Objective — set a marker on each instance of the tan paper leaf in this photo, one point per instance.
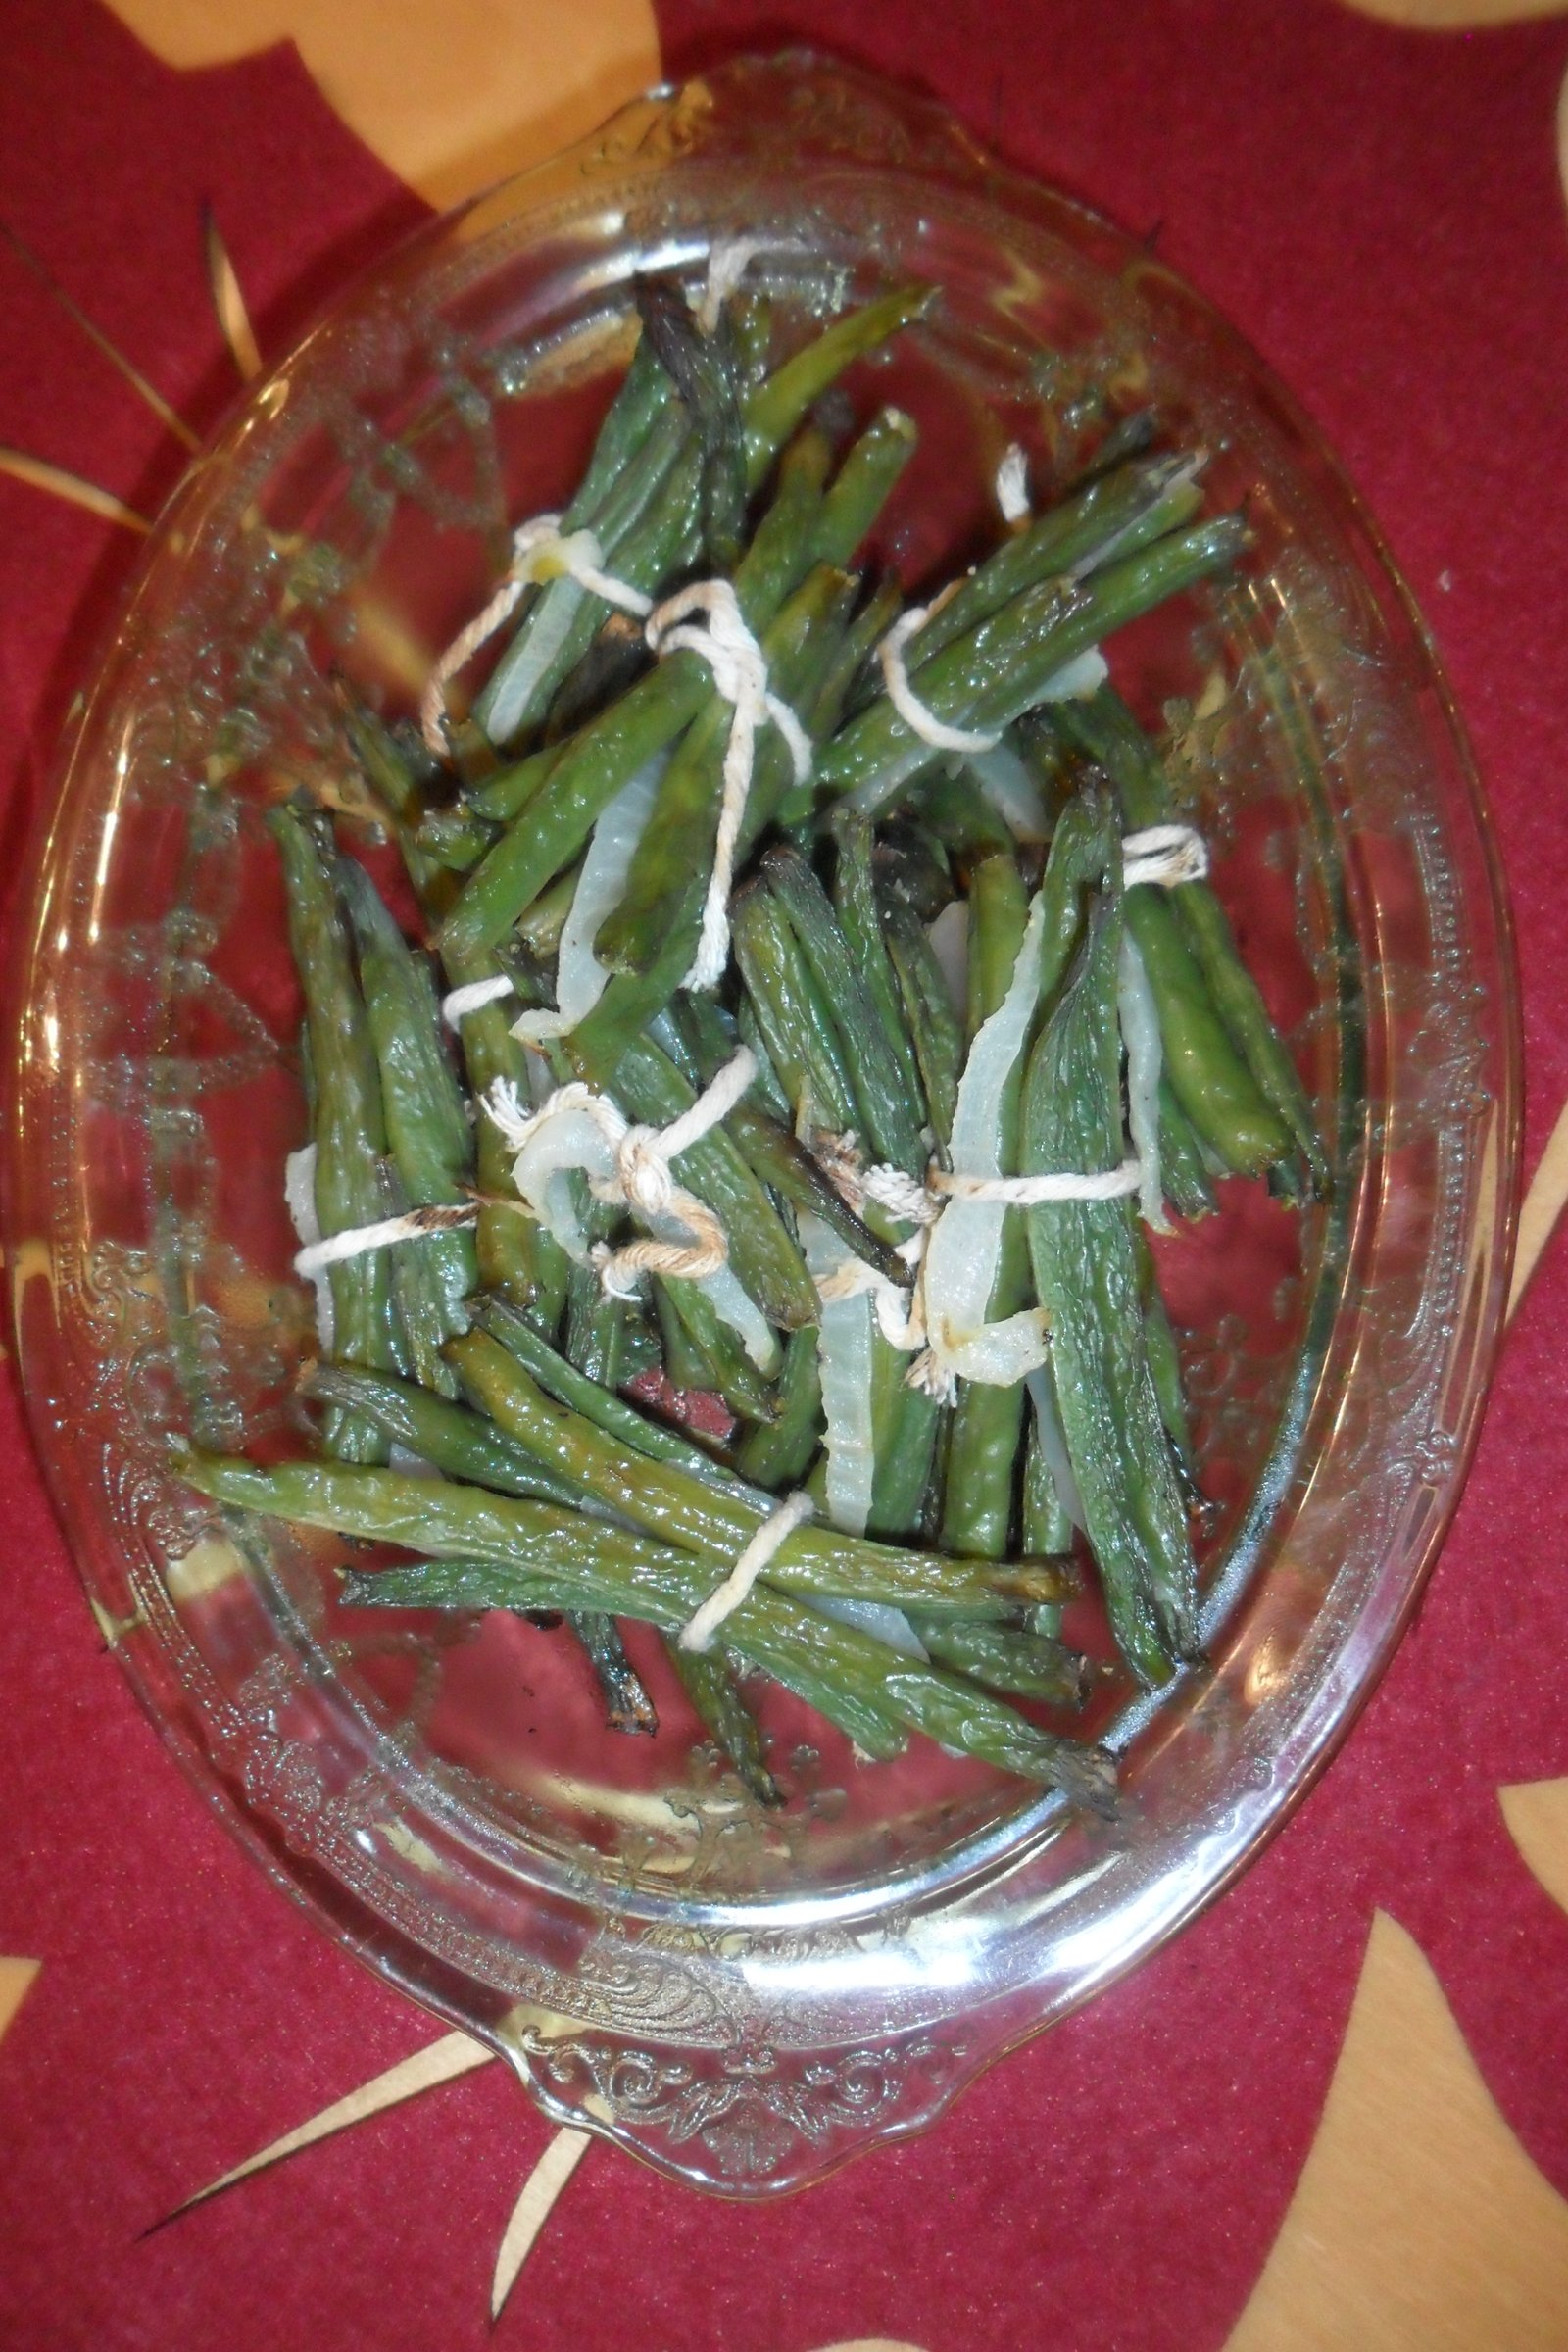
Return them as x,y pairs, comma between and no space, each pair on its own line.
16,1976
95,335
40,474
1419,2223
1456,15
533,2208
1542,1206
440,2061
451,94
222,283
1537,1815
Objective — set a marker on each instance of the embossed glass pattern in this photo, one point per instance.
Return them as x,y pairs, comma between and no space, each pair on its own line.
744,1998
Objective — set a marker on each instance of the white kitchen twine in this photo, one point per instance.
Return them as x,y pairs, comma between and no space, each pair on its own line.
728,260
1012,484
1024,1192
642,1179
356,1240
471,997
899,1311
697,1633
1165,856
540,551
740,675
907,704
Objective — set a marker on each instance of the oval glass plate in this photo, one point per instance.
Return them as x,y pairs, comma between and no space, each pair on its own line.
745,1998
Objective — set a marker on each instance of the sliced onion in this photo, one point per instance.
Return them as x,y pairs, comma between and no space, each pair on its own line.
734,1306
844,1354
1139,1016
299,1196
949,945
1052,1445
1013,790
965,1246
580,977
1082,676
1000,1354
524,665
879,1619
568,1140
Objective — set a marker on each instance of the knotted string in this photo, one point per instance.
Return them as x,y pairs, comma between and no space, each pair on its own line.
740,675
540,551
642,1179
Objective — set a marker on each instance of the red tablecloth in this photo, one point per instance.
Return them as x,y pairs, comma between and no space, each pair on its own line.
1380,211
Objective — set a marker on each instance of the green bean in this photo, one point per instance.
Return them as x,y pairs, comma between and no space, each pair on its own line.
883,1112
802,1042
791,392
431,1144
1113,518
350,1127
999,909
1164,1360
594,1332
627,1706
778,1453
842,1672
1045,1526
516,1256
703,364
685,1366
1004,1658
762,1253
1208,1075
1184,1171
1106,728
998,670
988,1419
593,766
677,844
855,897
727,1367
571,1388
663,1500
1085,1279
452,1439
955,811
869,626
905,1434
493,1551
862,486
928,1012
629,474
708,1682
641,397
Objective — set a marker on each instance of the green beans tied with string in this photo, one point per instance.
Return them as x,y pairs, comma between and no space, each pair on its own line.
813,999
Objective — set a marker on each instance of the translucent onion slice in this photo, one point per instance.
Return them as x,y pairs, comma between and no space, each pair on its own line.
881,1620
1011,790
965,1246
844,1354
734,1306
1052,1445
299,1196
1082,676
1138,1017
571,1139
949,945
580,977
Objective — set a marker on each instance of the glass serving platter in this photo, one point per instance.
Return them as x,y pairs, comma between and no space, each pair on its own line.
746,1998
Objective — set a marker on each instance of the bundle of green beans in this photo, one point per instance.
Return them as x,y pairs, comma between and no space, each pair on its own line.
564,854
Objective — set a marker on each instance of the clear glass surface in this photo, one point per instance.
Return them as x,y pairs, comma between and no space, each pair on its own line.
745,1998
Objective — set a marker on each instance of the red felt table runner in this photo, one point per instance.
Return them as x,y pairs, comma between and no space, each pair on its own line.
1380,213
